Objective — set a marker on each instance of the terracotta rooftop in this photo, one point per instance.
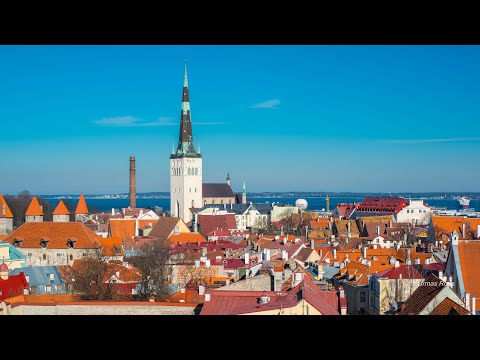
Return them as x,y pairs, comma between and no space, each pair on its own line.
422,295
81,206
61,209
449,307
320,223
4,209
209,223
124,229
111,246
401,272
164,227
56,234
449,223
469,253
34,208
183,238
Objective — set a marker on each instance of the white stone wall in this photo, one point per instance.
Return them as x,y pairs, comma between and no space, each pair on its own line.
415,213
6,226
101,309
185,189
46,256
279,211
61,218
34,218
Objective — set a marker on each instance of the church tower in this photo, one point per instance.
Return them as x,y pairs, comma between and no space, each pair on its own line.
185,166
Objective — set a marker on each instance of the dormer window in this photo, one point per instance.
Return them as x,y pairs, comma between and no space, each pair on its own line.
70,243
17,242
43,243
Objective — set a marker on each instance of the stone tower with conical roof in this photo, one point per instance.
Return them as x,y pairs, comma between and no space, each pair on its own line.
6,217
185,165
61,213
34,212
81,211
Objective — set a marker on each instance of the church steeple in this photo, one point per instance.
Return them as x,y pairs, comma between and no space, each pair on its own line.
244,193
185,146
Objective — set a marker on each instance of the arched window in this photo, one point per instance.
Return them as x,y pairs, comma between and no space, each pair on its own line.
193,203
189,171
213,201
196,171
230,201
221,201
204,202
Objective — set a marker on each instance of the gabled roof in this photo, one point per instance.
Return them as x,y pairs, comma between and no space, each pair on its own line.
449,307
401,272
183,238
57,233
111,246
320,223
450,223
34,208
388,205
4,209
231,302
13,286
342,225
221,190
124,229
469,254
208,223
422,296
164,227
304,254
81,205
61,209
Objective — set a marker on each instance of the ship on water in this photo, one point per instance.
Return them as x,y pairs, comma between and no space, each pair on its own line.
464,202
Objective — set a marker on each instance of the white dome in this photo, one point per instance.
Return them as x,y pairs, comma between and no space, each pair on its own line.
302,204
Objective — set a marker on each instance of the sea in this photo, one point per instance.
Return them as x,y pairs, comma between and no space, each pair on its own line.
314,203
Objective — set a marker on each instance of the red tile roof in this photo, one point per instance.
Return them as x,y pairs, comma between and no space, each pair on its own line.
384,205
122,228
111,246
229,264
184,238
469,254
81,206
164,227
13,286
449,223
227,302
423,295
208,223
61,209
4,209
449,307
320,223
34,208
56,233
403,271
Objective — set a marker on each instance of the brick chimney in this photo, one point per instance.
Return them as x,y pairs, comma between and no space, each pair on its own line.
133,183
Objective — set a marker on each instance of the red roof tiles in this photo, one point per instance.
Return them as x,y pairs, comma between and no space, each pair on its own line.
13,286
4,209
61,209
81,206
57,233
34,209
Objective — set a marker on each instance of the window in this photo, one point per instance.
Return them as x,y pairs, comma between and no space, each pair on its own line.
189,171
84,254
70,244
43,243
196,171
190,189
29,254
58,254
362,296
44,256
195,189
71,256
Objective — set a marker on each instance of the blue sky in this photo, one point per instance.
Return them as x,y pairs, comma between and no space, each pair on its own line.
285,118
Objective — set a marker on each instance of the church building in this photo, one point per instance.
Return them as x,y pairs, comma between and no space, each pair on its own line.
187,190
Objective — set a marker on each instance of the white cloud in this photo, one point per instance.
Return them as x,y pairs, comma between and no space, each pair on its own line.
424,141
130,121
269,104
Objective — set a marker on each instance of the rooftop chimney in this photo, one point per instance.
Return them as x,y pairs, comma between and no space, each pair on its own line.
113,211
284,254
247,258
298,278
176,230
377,230
397,263
364,252
133,183
334,252
267,255
474,304
463,231
201,289
467,301
312,244
478,231
207,297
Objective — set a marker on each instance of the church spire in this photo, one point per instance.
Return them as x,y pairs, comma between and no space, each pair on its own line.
185,146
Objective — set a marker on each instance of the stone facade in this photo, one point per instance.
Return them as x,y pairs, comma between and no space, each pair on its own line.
61,218
46,256
218,200
185,186
6,226
37,218
86,308
416,213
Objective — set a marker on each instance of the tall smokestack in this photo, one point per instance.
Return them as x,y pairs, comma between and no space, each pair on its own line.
133,183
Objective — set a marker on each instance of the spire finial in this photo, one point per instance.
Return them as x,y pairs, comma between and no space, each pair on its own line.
173,149
185,77
244,188
198,151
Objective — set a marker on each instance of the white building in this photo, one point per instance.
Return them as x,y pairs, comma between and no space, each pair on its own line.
416,212
185,166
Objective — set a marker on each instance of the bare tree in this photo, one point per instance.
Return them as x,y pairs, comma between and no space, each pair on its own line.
92,278
156,268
